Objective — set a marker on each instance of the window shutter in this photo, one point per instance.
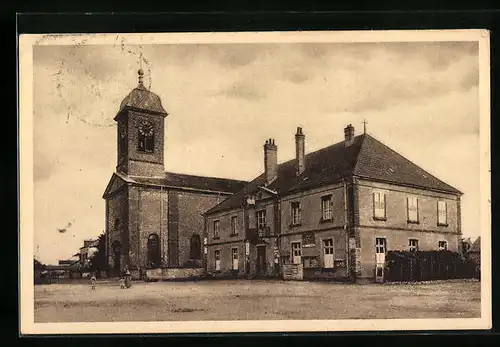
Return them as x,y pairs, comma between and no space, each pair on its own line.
374,208
408,207
385,207
418,212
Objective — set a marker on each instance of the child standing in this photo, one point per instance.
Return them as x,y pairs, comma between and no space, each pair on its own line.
93,280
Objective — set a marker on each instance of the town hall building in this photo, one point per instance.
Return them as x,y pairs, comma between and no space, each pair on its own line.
154,219
334,213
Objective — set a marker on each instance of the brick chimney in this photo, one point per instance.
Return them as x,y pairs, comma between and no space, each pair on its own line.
270,160
300,151
349,135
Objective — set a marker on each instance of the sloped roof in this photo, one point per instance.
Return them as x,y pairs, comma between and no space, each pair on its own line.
366,158
379,162
171,179
476,246
142,98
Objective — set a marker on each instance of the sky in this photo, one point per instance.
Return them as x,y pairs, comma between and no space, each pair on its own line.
224,101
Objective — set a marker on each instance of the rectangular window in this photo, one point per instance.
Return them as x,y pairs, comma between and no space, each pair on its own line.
413,245
412,206
442,245
216,229
295,213
234,257
310,262
328,253
234,229
442,213
217,259
261,219
296,253
379,206
326,207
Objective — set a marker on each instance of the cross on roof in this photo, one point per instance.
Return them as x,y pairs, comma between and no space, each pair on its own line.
364,125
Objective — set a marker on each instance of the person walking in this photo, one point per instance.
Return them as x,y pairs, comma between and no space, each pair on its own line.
128,277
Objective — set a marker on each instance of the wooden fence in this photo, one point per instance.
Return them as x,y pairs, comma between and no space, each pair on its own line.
406,266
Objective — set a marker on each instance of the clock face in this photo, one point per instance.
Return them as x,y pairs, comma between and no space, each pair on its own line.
146,128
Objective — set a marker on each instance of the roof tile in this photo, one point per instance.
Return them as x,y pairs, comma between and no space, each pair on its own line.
366,157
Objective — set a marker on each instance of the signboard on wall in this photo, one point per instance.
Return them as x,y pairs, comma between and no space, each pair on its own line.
247,248
308,240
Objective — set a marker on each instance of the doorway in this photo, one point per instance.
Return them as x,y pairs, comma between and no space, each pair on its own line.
116,258
261,266
296,253
154,258
380,252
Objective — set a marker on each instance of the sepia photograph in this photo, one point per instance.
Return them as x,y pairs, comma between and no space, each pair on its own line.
246,182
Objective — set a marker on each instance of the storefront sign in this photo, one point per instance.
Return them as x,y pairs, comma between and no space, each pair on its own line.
308,240
247,248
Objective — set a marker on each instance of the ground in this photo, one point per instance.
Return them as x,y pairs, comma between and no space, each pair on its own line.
253,300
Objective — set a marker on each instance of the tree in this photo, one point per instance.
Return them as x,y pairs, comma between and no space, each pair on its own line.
38,265
98,261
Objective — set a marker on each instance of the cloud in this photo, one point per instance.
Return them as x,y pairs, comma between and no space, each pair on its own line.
244,90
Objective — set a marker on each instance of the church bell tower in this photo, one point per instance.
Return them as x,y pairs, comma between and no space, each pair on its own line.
140,133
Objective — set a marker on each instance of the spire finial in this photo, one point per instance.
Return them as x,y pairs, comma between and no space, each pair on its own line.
141,76
364,125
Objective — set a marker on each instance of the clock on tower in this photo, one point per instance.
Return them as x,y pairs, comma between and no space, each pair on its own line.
140,129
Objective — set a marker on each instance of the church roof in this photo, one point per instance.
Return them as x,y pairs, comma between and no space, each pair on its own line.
366,158
177,180
142,98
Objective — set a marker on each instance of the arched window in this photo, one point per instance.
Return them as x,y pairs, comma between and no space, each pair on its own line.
154,259
195,249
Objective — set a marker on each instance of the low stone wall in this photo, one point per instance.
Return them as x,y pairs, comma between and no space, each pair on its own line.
174,274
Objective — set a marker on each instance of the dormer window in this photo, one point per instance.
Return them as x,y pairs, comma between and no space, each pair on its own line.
145,137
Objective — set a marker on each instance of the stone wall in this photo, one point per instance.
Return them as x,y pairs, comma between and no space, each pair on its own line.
174,274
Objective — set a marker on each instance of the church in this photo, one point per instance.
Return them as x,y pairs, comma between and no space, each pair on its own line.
154,219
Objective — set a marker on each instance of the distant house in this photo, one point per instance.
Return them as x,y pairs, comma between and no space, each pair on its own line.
474,252
465,245
334,213
65,268
88,249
